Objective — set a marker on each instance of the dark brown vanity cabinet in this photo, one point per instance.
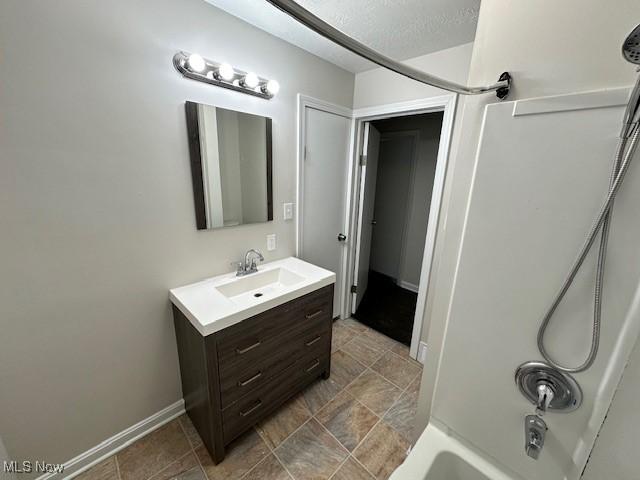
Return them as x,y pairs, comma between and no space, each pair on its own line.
234,378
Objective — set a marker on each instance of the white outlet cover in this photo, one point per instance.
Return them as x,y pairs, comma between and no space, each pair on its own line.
288,211
271,242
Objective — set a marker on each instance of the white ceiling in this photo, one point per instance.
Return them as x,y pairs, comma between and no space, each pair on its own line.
401,29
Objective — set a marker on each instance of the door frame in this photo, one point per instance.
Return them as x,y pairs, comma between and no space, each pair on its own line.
446,104
304,102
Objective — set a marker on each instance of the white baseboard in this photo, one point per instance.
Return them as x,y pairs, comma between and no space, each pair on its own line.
88,459
408,286
422,353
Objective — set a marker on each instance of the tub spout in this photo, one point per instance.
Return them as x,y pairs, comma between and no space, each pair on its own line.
534,431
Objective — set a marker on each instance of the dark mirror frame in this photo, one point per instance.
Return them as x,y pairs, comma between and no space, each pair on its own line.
195,154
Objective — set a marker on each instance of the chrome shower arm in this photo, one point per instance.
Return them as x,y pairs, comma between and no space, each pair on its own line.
308,19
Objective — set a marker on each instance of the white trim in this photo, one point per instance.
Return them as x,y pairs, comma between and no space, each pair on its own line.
412,287
443,103
399,109
422,353
360,196
610,97
110,446
304,102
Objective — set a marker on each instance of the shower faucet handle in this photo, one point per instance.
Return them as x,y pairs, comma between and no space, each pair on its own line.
545,397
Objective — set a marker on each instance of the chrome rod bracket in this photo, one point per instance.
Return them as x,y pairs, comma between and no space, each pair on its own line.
309,20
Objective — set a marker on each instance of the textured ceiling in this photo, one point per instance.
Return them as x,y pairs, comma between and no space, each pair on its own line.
401,29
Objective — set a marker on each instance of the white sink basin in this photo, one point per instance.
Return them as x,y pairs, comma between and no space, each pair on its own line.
256,285
218,302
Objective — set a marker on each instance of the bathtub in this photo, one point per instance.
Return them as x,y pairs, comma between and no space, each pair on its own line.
438,456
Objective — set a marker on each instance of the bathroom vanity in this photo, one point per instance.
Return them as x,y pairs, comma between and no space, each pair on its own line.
248,344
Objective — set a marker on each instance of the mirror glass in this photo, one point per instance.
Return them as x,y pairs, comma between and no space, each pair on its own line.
231,166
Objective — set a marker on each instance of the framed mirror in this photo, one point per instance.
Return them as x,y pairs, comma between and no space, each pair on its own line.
231,166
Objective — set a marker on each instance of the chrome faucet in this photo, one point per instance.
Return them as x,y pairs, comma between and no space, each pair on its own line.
250,263
535,429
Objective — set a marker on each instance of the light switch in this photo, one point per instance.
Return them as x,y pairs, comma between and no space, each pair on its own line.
271,242
288,211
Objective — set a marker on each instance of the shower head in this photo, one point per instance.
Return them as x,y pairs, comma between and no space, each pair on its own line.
631,52
631,46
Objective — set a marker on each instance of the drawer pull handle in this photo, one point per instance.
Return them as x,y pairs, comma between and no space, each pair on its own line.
241,351
252,409
313,315
315,340
315,364
246,382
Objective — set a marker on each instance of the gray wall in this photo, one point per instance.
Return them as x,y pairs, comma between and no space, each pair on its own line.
96,207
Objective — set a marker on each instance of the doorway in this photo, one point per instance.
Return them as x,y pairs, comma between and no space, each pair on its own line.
399,165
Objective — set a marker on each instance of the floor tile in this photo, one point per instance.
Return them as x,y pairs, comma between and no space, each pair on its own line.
400,349
345,368
105,470
187,468
395,369
382,451
362,351
268,469
153,453
311,453
353,324
340,335
192,434
374,391
402,414
352,470
320,393
415,385
242,455
284,422
347,419
382,341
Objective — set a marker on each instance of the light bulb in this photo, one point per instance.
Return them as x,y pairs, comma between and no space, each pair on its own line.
210,75
196,62
273,87
226,72
251,80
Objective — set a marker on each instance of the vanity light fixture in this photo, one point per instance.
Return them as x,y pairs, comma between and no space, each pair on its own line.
193,66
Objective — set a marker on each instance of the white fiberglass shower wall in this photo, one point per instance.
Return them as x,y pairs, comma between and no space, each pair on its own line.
526,183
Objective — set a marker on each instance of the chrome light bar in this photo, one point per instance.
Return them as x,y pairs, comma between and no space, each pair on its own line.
193,66
304,16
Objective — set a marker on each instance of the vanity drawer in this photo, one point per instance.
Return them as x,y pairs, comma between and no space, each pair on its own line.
254,407
296,344
254,339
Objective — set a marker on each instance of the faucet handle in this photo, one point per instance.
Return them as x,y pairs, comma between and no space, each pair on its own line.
239,267
545,397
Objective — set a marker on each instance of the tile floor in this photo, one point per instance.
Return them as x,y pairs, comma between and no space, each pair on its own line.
357,425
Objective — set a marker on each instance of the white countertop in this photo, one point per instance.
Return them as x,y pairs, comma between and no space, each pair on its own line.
210,311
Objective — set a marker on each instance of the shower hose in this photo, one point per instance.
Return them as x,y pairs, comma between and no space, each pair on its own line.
621,164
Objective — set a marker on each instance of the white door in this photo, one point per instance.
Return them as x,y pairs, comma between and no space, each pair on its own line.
324,189
366,221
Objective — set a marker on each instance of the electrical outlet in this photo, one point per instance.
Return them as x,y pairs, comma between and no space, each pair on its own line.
288,211
271,242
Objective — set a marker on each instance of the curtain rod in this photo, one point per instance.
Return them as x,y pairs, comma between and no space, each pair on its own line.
308,19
